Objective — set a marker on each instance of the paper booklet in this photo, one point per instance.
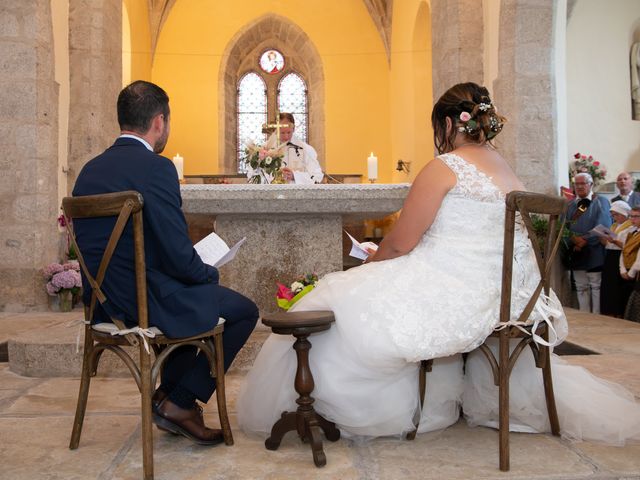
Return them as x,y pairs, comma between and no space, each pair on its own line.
602,231
359,250
215,252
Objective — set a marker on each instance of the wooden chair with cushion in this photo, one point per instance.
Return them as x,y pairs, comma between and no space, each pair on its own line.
526,204
114,336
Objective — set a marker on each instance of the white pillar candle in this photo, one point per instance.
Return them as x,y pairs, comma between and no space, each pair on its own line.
178,161
372,167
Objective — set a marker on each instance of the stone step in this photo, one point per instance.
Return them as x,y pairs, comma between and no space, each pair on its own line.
50,344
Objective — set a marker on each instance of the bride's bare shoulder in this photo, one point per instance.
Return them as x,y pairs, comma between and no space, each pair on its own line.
490,162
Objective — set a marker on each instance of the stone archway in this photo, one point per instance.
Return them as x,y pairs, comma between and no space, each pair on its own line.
277,32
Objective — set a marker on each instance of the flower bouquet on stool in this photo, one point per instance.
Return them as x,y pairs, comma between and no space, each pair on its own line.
63,281
288,296
265,162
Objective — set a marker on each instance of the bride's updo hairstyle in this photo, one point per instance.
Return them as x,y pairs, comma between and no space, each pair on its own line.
471,111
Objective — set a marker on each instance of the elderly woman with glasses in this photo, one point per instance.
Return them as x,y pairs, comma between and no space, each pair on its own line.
615,290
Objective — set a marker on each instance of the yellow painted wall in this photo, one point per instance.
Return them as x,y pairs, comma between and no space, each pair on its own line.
410,94
136,42
356,72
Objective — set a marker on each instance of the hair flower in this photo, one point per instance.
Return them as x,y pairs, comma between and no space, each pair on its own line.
484,106
465,116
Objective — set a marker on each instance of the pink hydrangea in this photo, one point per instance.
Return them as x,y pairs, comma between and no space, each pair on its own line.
51,269
51,290
67,279
72,265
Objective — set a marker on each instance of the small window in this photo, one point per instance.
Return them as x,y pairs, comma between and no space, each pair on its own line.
252,113
292,98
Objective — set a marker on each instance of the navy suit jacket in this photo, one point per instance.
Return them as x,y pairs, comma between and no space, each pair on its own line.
182,291
634,199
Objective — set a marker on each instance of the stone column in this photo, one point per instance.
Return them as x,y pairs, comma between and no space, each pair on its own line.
95,63
28,139
457,43
525,91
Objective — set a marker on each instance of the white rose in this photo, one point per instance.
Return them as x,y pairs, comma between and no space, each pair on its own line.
267,161
296,287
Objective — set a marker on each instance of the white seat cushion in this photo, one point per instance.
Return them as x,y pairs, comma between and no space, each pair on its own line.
108,327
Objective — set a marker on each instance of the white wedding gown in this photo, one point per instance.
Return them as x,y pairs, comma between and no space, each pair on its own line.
439,300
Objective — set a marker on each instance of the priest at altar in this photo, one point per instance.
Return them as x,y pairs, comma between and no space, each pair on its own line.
300,161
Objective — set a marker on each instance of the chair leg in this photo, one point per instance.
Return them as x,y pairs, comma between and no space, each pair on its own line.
425,366
220,391
83,393
549,396
503,403
145,394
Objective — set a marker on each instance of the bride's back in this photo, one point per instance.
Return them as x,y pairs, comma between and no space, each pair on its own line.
488,161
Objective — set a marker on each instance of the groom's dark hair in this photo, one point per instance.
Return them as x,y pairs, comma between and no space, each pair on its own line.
138,103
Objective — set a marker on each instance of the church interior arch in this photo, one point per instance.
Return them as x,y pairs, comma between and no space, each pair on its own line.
241,55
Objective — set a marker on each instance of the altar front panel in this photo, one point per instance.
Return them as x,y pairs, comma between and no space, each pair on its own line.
291,229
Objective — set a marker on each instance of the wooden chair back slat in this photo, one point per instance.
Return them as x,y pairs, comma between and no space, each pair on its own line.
122,205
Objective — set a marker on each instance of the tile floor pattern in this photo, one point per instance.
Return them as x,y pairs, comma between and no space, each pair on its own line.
36,416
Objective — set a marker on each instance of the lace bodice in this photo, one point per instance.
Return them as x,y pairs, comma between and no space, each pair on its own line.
471,182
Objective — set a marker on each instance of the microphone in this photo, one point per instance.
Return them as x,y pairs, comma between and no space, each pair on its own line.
294,146
333,179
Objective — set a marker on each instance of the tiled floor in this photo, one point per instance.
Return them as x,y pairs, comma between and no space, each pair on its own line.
36,416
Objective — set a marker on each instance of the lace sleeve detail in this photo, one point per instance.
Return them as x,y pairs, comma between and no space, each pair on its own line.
471,182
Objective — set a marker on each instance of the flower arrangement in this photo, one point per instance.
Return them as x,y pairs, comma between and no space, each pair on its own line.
587,164
265,162
286,297
62,276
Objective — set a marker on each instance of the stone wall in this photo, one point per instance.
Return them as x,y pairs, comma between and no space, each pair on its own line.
525,91
28,165
95,51
457,43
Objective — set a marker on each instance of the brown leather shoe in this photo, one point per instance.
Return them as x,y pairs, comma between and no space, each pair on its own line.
156,400
189,423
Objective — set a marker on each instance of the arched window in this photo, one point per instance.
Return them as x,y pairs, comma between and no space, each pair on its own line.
268,87
252,113
292,98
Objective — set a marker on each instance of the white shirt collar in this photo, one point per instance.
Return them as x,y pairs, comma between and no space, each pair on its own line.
140,139
589,197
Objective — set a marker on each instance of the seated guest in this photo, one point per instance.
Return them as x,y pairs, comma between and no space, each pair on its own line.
615,290
624,182
630,265
300,162
184,296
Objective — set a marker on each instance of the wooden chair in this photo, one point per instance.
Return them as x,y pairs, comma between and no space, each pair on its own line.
526,204
115,336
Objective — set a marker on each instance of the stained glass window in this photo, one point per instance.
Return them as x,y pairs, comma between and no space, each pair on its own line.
292,98
271,61
252,113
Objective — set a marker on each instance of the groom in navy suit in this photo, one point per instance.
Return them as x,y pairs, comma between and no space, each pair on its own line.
184,296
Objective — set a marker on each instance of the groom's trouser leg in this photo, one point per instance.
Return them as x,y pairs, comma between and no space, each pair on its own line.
191,371
582,287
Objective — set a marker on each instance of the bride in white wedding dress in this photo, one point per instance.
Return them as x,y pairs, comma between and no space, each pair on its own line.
432,290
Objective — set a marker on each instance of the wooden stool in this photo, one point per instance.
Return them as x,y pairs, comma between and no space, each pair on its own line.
305,419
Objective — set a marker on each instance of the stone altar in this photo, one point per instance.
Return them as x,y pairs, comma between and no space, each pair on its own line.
290,229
